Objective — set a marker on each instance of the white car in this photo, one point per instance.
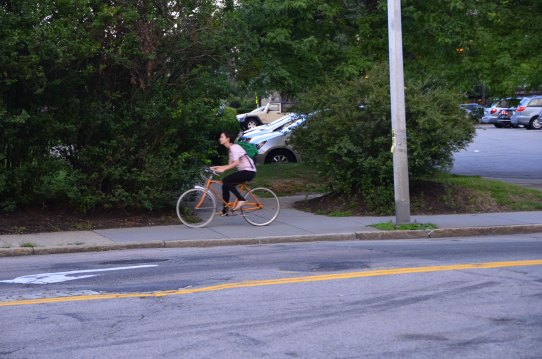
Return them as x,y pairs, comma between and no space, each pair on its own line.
274,126
273,147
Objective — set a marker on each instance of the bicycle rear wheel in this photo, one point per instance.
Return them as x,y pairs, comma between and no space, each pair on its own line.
196,208
261,208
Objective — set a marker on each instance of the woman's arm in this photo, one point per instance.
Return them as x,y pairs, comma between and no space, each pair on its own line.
224,168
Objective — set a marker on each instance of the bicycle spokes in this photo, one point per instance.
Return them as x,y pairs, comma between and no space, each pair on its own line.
262,207
196,207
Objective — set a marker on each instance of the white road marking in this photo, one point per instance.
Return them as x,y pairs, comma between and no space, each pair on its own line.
46,278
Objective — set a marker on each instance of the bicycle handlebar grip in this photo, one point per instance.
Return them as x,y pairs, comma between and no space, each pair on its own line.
208,170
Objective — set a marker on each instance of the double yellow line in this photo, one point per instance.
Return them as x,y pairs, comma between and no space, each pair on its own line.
280,281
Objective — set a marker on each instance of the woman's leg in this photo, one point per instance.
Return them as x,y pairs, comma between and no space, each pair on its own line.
230,181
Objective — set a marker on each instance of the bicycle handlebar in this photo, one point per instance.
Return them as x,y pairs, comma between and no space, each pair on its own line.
210,171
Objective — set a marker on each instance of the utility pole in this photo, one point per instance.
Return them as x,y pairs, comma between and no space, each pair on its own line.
398,122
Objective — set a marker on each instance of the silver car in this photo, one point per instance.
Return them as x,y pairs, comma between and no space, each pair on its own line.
274,126
492,113
527,112
273,147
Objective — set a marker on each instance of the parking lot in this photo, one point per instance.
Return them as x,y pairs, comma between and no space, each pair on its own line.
508,154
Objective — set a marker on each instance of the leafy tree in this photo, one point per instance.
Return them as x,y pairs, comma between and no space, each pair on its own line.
106,103
506,57
116,104
450,48
351,146
466,45
295,44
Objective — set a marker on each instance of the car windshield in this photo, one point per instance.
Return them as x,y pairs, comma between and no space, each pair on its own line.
288,123
507,102
292,126
259,109
281,122
274,126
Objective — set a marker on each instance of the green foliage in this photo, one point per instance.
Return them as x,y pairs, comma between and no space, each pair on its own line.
508,196
109,105
117,104
351,146
388,226
295,44
471,44
288,179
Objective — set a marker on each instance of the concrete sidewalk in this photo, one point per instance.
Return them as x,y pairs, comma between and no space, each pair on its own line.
291,226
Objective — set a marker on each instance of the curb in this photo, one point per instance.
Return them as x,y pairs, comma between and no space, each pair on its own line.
453,232
205,243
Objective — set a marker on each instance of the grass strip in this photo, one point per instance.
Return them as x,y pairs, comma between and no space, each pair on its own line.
389,226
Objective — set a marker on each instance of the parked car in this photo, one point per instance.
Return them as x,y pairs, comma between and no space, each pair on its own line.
527,113
273,147
473,110
274,126
491,113
504,118
263,115
538,120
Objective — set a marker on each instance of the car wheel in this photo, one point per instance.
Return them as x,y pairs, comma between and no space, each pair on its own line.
498,125
280,156
252,123
535,124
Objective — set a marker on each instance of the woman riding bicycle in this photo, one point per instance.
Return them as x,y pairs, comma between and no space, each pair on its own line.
246,170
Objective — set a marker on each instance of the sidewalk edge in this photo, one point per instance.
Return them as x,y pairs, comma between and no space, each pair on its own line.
202,243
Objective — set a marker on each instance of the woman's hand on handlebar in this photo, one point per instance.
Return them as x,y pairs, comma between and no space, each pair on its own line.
217,169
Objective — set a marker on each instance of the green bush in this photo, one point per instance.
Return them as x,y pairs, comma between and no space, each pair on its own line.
109,106
351,146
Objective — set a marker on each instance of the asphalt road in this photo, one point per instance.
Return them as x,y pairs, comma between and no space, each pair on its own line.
363,299
508,154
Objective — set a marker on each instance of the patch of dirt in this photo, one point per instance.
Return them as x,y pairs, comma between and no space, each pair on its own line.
292,186
55,220
425,198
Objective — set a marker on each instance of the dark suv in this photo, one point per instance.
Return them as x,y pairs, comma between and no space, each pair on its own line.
473,111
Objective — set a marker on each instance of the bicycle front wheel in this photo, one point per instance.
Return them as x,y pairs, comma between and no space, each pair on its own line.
196,208
261,208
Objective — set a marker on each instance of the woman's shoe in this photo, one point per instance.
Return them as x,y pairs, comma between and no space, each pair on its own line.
239,205
223,213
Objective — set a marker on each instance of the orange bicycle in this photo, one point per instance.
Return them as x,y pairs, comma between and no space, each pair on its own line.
198,206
